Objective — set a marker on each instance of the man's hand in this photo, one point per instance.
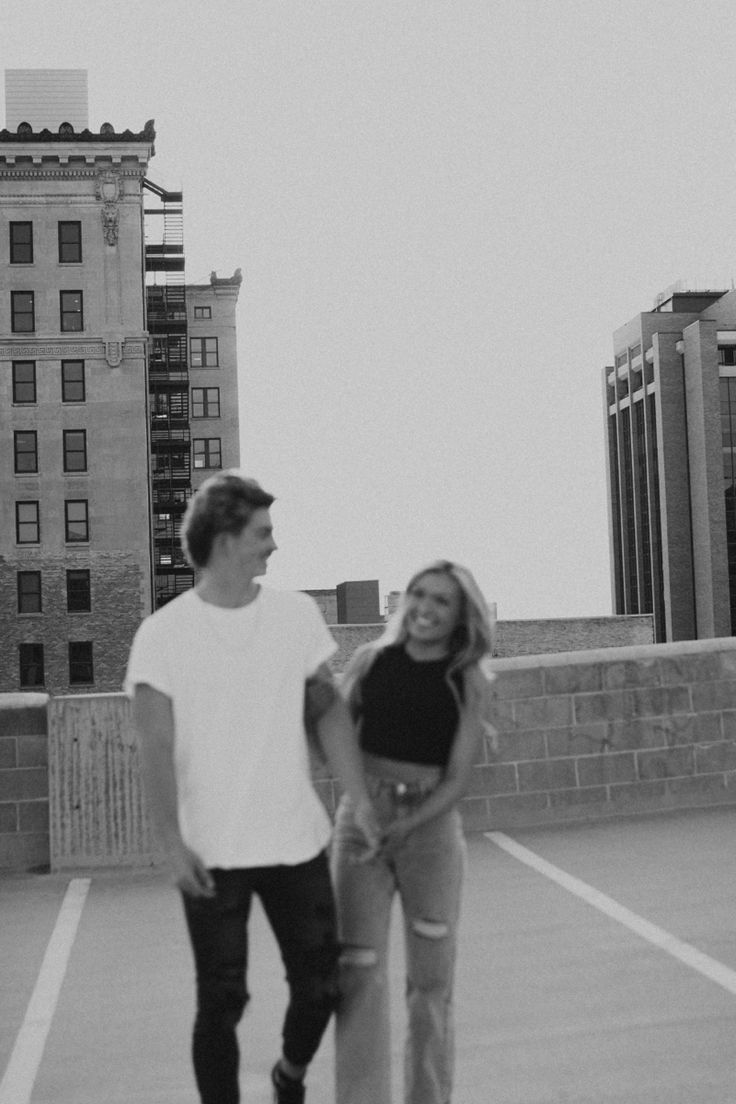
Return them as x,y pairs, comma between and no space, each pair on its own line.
366,821
190,874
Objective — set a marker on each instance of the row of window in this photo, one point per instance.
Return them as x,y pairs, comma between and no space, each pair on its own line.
28,521
69,236
72,381
206,451
205,400
31,661
23,311
25,451
78,591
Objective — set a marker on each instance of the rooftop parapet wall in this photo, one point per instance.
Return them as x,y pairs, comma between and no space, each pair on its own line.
24,791
582,735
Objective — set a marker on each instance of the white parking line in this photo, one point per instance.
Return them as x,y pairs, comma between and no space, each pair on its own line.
17,1084
684,952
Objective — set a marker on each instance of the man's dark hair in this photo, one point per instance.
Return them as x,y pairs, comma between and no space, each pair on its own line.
224,503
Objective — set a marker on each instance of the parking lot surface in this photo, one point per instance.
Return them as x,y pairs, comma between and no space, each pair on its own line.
597,966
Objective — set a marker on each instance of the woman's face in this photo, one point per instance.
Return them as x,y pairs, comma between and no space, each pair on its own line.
433,606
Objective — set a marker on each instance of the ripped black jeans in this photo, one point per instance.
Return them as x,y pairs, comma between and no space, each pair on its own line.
299,905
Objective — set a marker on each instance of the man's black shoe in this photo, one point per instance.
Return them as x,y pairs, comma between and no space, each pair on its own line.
286,1090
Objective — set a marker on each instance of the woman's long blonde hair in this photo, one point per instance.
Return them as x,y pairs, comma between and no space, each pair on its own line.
471,644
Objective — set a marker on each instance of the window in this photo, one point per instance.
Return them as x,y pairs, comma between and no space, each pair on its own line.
207,452
72,315
70,242
31,665
72,381
27,526
21,243
75,450
25,450
78,591
203,352
81,669
22,314
76,520
29,592
205,402
203,312
24,381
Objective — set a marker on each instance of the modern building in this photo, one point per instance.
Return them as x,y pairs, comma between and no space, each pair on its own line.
670,414
118,389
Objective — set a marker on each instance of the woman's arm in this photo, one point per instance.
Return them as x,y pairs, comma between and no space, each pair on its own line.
474,725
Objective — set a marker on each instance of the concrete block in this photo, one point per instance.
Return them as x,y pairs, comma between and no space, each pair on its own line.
577,740
697,667
576,678
22,713
24,851
543,712
630,673
603,769
8,752
708,696
8,817
554,774
33,751
655,701
523,809
33,816
712,758
581,798
671,763
610,705
526,683
20,784
522,745
486,780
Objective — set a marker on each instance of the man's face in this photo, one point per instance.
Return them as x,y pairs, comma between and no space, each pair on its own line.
251,547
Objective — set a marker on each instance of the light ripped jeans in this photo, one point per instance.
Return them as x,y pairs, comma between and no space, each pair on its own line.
426,870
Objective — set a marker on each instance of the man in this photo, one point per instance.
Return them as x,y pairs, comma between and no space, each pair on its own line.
218,681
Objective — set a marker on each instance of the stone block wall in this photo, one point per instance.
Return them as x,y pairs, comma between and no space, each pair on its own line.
609,733
24,792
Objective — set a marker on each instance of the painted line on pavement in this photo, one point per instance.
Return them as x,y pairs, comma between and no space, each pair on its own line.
684,952
20,1075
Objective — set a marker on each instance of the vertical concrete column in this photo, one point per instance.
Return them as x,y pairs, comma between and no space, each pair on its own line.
674,488
710,558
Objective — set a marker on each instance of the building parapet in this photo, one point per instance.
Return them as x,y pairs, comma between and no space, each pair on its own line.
582,735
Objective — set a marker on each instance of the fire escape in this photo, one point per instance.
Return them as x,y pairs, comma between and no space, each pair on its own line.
168,388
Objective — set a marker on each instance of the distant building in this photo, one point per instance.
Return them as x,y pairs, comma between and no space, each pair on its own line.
670,414
353,603
391,603
357,602
118,388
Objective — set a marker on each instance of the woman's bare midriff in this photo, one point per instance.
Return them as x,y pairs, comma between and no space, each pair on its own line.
400,771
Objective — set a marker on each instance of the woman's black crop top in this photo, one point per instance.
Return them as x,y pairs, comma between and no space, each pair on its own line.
407,710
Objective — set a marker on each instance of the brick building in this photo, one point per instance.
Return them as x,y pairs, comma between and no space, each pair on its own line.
118,388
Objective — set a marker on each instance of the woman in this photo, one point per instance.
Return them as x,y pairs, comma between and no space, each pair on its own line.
420,696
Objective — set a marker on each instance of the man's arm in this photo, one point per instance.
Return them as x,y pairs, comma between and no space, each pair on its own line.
337,736
154,720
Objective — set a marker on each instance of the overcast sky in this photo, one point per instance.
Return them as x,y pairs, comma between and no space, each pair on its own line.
442,211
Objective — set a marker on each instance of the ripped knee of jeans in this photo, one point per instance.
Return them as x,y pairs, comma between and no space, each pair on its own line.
358,956
430,929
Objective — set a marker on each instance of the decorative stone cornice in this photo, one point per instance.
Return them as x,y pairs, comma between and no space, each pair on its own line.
66,133
113,350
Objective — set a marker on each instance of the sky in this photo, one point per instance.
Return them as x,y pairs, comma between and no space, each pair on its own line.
442,212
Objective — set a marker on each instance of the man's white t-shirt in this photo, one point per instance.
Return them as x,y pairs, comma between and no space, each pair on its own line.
236,680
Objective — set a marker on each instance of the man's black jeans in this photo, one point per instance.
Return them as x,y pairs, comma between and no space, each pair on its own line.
299,904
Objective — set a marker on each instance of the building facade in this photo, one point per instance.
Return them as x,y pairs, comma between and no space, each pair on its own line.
670,414
101,383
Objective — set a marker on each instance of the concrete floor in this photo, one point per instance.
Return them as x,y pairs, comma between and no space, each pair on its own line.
557,1002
